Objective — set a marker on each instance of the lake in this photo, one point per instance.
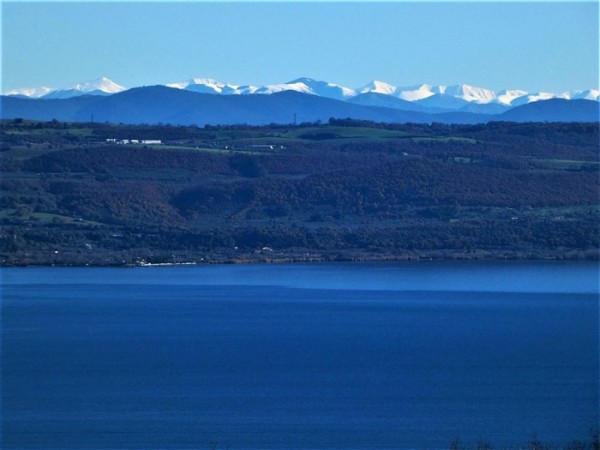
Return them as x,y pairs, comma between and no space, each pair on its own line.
320,356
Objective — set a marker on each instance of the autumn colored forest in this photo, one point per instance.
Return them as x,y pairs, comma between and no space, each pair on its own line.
77,194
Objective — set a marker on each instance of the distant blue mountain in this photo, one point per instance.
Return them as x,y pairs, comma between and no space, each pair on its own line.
443,101
160,104
554,110
387,101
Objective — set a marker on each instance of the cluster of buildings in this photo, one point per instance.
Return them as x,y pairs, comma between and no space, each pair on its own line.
133,141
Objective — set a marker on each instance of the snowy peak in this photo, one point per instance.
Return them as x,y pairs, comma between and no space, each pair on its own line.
423,91
415,93
378,87
275,88
309,86
207,86
588,94
212,86
35,92
530,98
506,96
203,85
101,86
470,93
325,89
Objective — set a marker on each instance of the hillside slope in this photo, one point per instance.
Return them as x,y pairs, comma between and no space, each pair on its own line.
342,191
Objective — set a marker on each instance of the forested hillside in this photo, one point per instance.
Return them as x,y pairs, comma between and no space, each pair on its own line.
345,190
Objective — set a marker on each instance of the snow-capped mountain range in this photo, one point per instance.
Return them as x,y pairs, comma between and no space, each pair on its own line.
441,97
101,86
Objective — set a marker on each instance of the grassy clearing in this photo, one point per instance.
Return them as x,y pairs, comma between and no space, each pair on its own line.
53,218
445,139
71,131
462,159
565,164
562,212
23,152
345,132
225,135
163,174
46,218
19,175
161,147
192,148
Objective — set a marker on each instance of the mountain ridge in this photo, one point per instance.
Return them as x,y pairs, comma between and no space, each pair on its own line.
161,104
440,96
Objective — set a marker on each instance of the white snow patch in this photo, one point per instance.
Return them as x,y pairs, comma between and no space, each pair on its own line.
101,84
414,93
275,88
588,94
471,93
507,96
378,87
35,92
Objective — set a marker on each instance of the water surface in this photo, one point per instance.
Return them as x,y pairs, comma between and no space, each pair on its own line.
356,356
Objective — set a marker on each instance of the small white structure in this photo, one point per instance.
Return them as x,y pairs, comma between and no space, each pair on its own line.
133,141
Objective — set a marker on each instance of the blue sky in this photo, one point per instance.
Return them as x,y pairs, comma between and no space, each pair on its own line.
533,46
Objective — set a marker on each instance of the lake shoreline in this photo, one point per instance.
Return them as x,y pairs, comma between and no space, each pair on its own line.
270,256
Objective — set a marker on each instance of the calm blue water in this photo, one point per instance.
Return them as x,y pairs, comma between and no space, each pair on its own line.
331,356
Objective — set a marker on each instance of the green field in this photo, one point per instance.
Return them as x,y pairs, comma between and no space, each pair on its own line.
562,164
